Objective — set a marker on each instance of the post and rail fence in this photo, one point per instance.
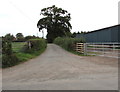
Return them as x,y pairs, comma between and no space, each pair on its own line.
79,47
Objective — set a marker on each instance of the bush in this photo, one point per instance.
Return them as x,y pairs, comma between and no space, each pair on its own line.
8,58
12,57
34,45
68,43
6,47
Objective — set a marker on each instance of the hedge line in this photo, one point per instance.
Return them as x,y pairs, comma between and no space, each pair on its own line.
9,58
68,43
34,45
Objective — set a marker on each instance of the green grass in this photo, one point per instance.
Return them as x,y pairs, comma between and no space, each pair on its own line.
93,52
20,55
79,54
69,43
76,53
26,56
117,48
17,46
17,49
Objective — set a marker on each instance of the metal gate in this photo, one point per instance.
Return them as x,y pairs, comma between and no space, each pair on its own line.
99,49
103,49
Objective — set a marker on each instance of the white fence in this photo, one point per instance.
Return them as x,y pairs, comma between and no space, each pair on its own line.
102,49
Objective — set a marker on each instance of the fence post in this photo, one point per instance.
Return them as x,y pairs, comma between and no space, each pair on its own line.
85,48
29,44
113,47
103,49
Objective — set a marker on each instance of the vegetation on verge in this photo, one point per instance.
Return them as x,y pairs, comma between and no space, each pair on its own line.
69,43
34,45
26,56
16,52
8,57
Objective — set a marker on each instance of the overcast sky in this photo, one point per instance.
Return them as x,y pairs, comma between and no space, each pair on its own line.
87,15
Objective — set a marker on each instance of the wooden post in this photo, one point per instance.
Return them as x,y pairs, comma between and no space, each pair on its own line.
29,44
85,48
103,49
80,47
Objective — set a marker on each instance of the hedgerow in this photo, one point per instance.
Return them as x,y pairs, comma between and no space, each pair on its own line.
68,43
8,57
31,49
34,45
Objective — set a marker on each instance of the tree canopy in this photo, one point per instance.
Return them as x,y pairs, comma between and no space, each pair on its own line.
9,37
20,37
56,21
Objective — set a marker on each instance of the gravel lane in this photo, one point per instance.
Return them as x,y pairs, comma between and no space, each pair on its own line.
57,69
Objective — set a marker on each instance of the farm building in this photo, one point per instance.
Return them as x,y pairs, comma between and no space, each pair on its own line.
109,34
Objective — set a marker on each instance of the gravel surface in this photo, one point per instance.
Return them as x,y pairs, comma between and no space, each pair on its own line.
57,69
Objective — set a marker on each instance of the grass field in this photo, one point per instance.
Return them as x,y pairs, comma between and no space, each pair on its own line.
17,49
17,46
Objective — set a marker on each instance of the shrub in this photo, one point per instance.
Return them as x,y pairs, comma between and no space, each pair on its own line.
34,45
68,43
6,47
8,58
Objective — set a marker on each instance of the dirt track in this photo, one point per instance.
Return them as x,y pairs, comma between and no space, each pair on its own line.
57,69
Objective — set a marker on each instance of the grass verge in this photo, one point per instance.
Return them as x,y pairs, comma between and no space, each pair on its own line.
19,54
26,56
74,52
69,44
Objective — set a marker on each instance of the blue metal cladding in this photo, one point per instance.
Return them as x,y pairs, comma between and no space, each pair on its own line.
114,34
109,34
103,35
118,34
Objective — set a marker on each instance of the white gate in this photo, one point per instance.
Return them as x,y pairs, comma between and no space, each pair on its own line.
103,49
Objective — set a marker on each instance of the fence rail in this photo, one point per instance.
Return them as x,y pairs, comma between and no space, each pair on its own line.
100,49
79,47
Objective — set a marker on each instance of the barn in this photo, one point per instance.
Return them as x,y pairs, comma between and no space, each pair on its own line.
109,34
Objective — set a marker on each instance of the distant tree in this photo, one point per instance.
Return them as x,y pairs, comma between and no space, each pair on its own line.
56,21
74,34
83,32
9,37
20,37
30,37
78,32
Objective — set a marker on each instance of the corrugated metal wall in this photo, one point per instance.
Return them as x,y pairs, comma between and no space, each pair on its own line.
103,35
118,34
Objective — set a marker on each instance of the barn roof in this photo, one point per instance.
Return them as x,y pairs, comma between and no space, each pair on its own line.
103,29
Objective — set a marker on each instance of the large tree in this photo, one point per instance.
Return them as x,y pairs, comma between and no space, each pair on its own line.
9,37
56,21
20,37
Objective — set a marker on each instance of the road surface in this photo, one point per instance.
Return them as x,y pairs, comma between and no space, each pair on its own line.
57,69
